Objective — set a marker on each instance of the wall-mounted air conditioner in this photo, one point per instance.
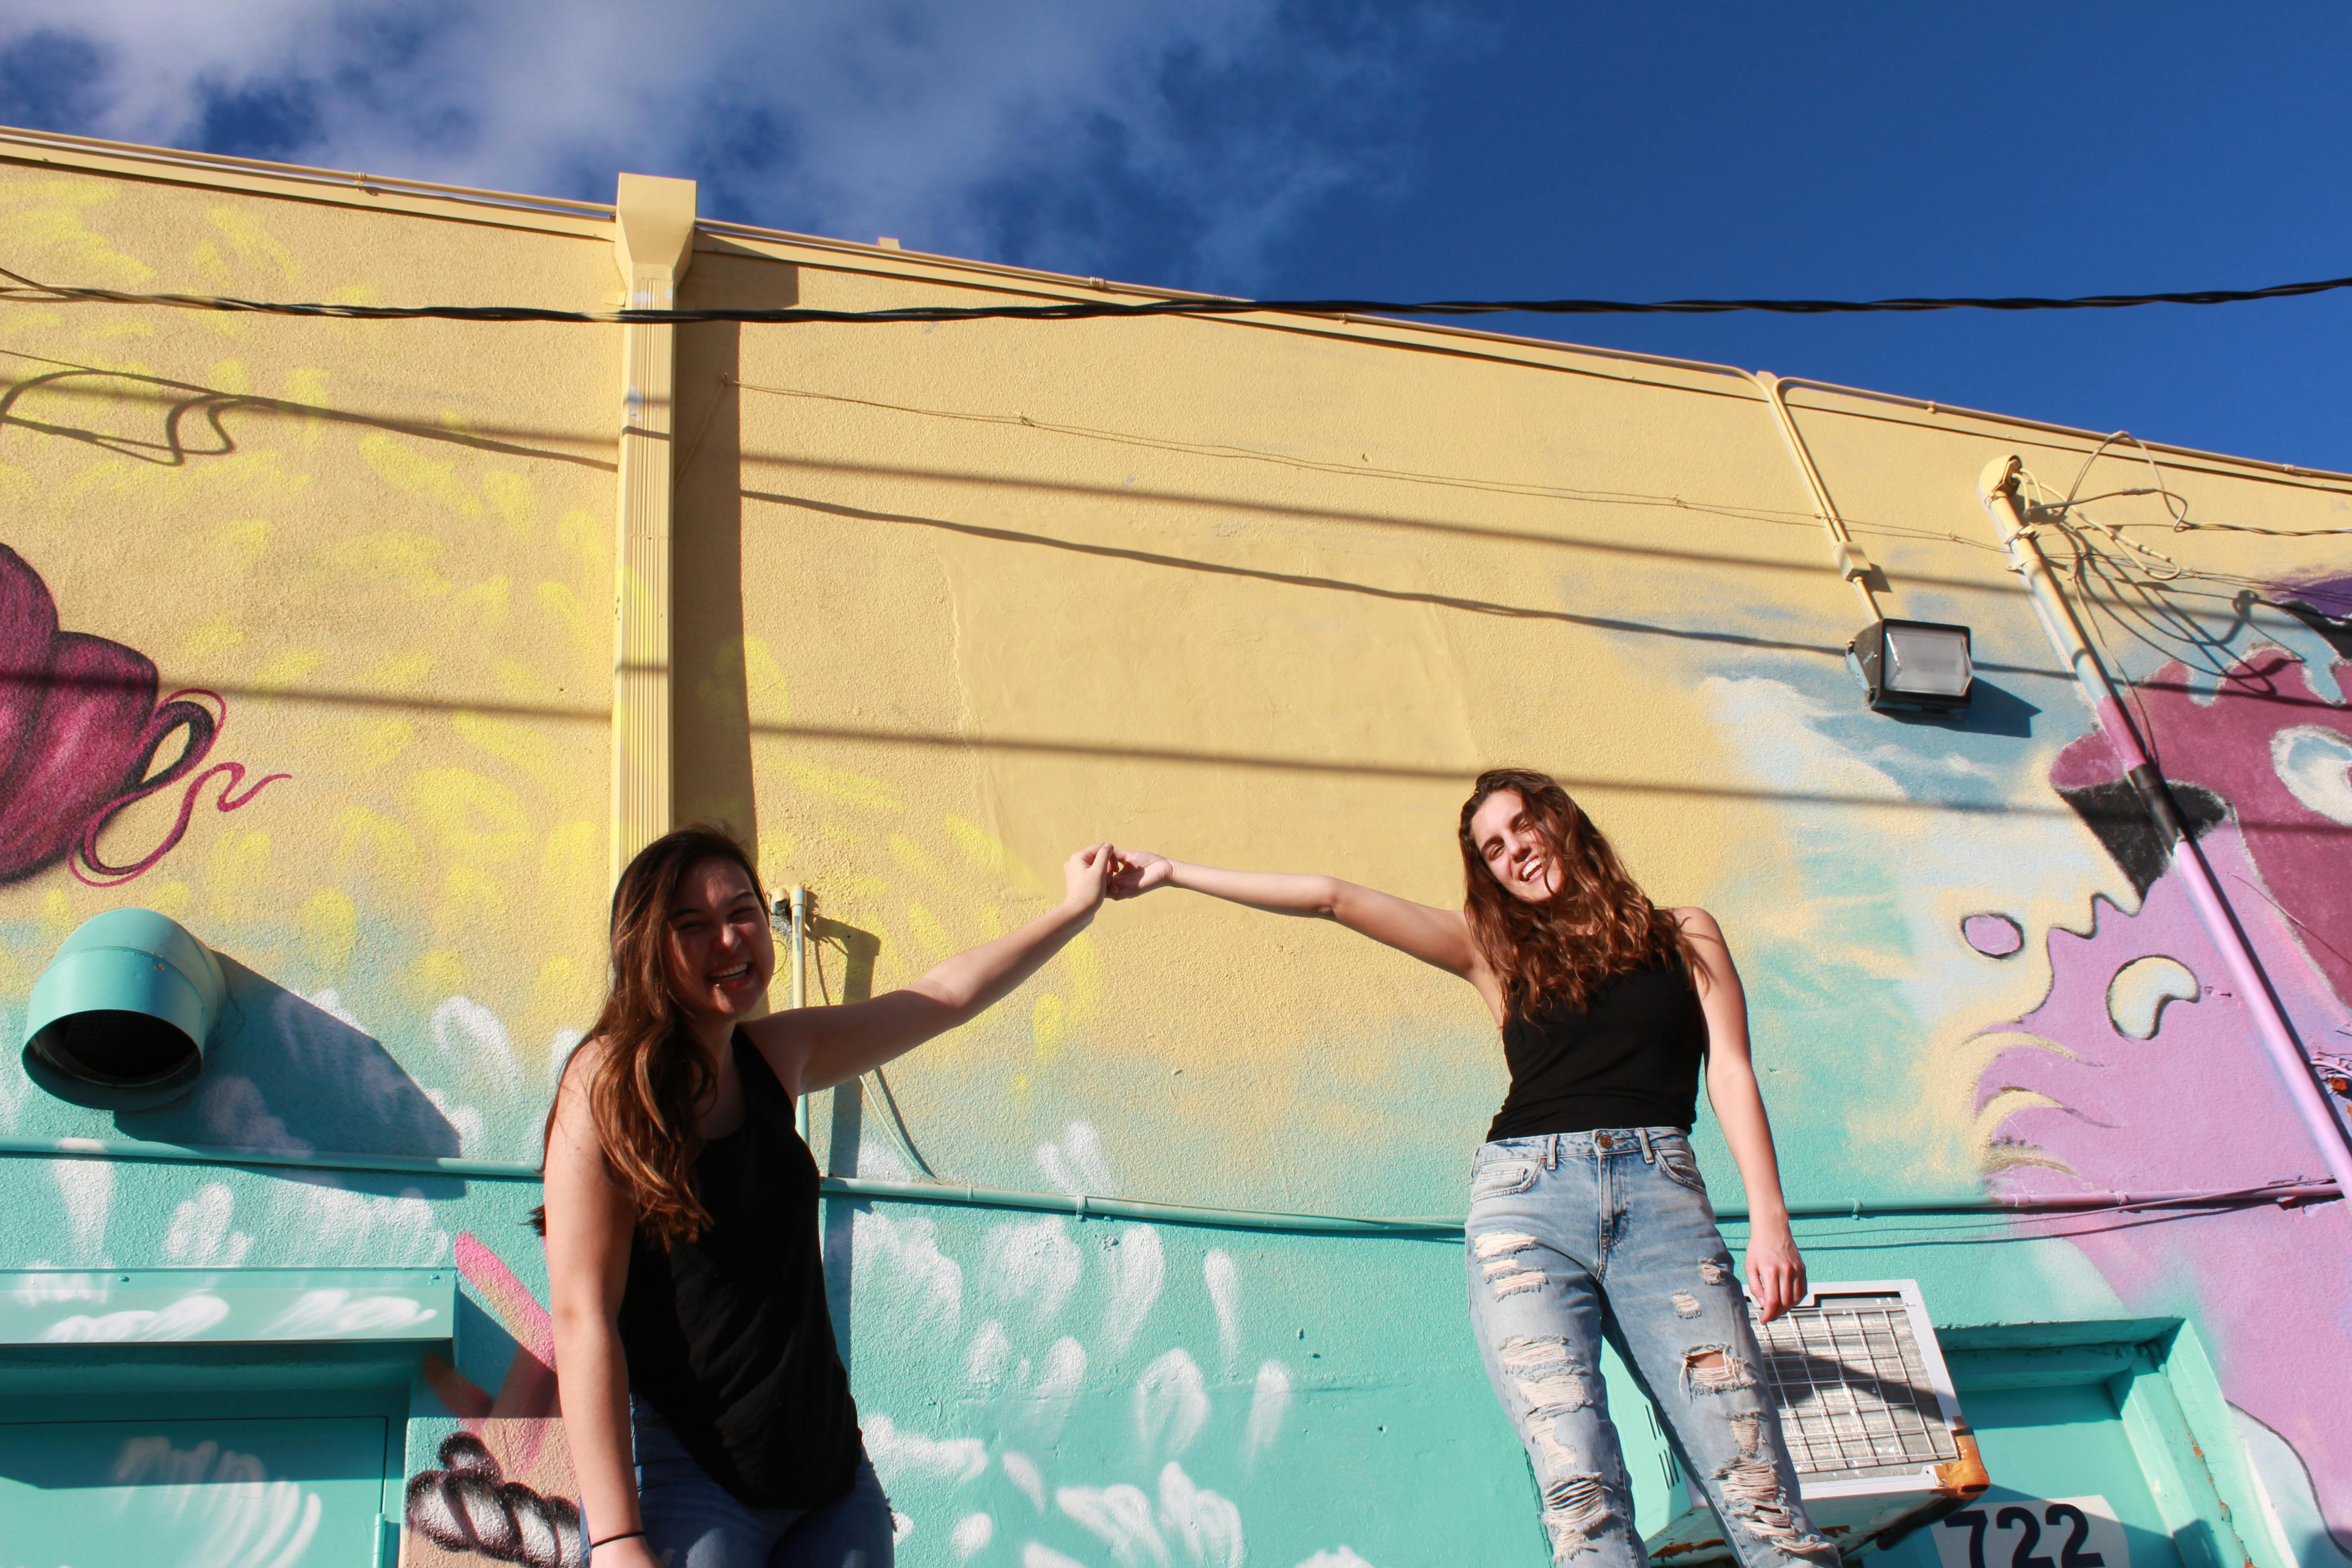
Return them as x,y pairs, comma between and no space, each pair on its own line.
1867,1409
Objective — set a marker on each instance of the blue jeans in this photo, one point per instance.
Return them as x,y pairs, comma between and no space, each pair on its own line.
692,1522
1576,1235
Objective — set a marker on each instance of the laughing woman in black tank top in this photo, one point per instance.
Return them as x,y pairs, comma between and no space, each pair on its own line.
708,1411
1588,1216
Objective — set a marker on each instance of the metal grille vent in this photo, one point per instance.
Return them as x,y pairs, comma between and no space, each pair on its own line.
1855,1394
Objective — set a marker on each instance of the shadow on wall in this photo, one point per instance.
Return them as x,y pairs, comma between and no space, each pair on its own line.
286,1074
70,393
712,710
859,948
1991,711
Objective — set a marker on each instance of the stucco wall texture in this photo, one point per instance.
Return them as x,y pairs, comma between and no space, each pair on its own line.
952,600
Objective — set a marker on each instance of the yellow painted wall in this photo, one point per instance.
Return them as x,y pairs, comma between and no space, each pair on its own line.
388,551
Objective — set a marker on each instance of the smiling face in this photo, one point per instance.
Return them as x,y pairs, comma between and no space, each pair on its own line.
718,949
1514,847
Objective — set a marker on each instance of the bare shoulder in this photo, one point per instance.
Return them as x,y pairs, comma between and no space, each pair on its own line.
579,1072
1697,922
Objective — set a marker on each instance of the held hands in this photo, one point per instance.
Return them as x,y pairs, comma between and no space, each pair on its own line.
1086,876
1138,872
1776,1273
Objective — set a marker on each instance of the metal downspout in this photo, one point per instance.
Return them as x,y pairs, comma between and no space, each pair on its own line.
1997,489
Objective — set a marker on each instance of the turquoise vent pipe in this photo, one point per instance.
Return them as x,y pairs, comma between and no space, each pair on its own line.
123,1017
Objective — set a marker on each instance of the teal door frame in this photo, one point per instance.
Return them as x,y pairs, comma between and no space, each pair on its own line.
160,1344
2156,1373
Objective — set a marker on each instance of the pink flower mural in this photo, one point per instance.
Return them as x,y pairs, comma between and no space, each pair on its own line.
2145,1072
80,732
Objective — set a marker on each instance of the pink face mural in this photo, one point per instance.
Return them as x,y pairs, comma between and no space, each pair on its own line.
2152,1074
81,731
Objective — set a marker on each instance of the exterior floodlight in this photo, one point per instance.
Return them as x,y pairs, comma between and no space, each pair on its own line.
1915,666
121,1018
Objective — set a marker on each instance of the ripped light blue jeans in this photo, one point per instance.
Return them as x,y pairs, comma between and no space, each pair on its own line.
1575,1237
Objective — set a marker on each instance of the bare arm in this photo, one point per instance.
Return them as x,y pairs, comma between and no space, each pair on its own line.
1776,1272
816,1048
1434,936
588,1225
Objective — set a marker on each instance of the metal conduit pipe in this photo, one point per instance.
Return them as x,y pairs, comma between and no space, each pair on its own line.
800,905
137,1152
1997,489
1853,564
1085,1206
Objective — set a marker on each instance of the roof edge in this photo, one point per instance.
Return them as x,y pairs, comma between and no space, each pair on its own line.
558,215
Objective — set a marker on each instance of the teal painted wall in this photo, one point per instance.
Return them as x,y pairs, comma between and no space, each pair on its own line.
951,602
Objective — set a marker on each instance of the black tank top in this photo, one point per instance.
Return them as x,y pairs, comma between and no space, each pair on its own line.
1628,1058
728,1337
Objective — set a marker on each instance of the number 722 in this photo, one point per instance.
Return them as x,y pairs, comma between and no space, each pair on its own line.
2070,1556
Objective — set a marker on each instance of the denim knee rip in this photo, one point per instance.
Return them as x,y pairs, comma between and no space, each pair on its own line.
1575,1509
1729,1371
1575,1499
1751,1486
1714,1271
1498,1252
1546,1376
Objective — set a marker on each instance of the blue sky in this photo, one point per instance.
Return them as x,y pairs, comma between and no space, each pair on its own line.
1323,147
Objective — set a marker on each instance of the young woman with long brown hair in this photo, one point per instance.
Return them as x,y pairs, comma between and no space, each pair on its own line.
1588,1216
708,1411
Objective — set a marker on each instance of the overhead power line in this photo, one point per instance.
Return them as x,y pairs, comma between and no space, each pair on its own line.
25,290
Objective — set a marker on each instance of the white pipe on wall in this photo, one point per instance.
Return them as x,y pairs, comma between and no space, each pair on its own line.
800,988
1853,564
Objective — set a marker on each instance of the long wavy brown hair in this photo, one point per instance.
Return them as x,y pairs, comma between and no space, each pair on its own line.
1598,924
650,1074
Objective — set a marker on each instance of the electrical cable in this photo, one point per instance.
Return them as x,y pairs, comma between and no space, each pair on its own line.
26,289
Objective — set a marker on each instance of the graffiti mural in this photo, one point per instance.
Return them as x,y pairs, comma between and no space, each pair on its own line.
501,1489
81,731
2141,1069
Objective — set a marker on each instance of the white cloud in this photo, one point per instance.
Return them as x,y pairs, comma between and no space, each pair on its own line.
1224,1283
1120,1517
1171,1404
1075,1162
200,1237
1022,1472
1034,1265
1137,1268
1042,126
1056,1388
902,1257
899,1455
1209,1526
1268,1404
971,1535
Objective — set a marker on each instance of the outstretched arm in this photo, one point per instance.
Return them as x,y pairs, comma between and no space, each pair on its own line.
1439,937
1776,1272
816,1048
